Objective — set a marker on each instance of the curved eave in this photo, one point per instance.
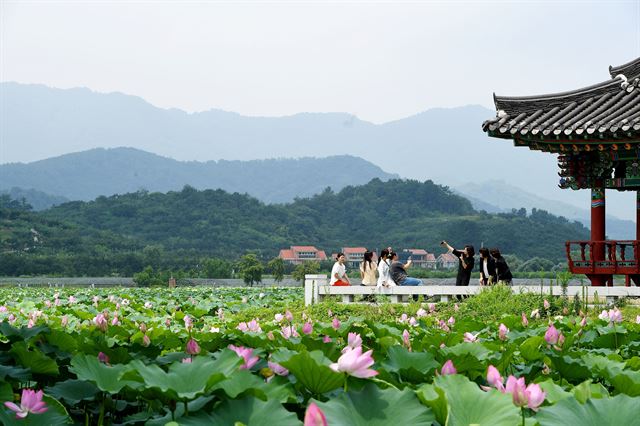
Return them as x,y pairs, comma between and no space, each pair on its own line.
630,70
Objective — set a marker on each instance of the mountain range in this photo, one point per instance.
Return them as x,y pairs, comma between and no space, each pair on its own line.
89,174
446,145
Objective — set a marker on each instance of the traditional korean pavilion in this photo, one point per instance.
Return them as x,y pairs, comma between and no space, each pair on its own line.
595,133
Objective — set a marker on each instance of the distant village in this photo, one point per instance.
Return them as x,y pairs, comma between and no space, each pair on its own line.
421,258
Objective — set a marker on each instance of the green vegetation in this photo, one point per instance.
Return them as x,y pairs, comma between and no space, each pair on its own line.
184,230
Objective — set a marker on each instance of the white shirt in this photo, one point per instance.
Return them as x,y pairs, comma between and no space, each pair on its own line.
384,277
337,269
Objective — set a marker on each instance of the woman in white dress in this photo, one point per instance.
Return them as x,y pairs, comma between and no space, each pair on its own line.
384,276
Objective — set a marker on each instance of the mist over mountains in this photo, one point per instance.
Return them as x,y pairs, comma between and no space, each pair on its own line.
446,145
89,174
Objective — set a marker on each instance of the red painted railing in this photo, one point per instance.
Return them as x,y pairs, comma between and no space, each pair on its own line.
618,257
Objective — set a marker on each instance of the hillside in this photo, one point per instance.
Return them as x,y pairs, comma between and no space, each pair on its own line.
189,224
89,174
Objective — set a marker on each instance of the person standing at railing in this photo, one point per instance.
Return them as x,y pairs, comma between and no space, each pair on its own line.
502,269
487,268
465,262
339,272
384,276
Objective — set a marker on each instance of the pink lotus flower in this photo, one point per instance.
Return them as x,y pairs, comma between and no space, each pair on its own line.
220,313
413,322
188,323
192,347
531,396
146,341
286,331
502,332
307,328
583,322
47,303
143,327
355,363
551,336
326,339
470,338
101,322
3,309
637,319
314,416
329,313
72,299
115,320
277,369
403,318
546,304
279,317
451,321
245,353
443,325
353,341
406,339
421,313
448,368
525,321
456,308
615,315
270,335
432,307
187,360
64,320
335,323
288,315
148,305
167,322
11,318
30,402
516,387
535,314
103,358
494,378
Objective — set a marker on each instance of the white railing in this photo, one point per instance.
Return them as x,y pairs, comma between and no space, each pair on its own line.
316,288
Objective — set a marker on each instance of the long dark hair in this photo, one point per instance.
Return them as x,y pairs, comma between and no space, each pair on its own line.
338,256
495,253
484,252
384,253
368,256
470,250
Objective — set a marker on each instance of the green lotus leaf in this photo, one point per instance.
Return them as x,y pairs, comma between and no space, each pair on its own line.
312,370
571,369
434,398
14,372
468,404
530,348
587,390
73,391
411,366
23,333
372,406
468,356
63,340
108,378
247,411
619,410
6,392
187,380
34,359
240,382
554,392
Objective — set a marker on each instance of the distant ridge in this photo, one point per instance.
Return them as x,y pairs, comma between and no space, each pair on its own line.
89,174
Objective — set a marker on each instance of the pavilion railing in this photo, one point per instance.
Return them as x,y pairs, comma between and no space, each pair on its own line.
604,257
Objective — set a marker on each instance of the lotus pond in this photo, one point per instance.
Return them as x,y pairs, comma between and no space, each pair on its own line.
208,356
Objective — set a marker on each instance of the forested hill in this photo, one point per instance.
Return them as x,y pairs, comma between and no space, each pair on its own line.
401,213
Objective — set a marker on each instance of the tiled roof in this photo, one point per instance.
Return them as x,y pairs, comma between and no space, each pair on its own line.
603,113
430,257
303,248
418,252
447,257
286,254
321,255
353,249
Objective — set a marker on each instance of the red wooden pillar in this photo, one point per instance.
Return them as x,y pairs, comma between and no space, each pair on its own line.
598,232
637,215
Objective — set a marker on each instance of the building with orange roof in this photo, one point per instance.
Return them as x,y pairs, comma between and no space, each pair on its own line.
298,254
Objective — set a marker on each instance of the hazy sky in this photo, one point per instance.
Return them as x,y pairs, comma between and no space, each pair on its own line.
379,60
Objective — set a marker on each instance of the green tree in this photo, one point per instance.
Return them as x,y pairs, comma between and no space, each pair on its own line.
147,277
217,268
305,268
251,269
276,266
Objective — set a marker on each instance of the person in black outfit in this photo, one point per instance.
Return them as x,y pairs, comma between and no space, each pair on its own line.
502,269
487,266
465,262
